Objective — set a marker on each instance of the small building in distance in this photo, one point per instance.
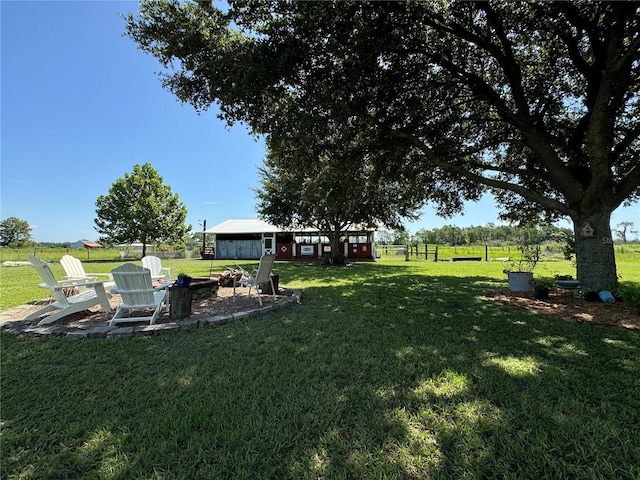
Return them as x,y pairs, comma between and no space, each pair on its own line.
247,239
85,244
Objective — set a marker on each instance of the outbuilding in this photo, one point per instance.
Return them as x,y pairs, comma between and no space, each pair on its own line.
252,238
86,244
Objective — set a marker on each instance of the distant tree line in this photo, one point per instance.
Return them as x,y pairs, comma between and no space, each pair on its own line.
491,234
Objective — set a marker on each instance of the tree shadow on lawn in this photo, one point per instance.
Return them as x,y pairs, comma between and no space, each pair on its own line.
447,384
431,287
396,375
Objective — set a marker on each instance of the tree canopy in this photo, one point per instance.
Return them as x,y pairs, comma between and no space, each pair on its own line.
14,232
536,102
140,208
330,181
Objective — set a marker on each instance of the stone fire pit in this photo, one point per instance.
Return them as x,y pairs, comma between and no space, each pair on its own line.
203,288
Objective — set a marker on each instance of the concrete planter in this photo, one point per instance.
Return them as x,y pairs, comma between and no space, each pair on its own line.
520,281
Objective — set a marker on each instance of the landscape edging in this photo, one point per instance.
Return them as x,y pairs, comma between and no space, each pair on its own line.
116,332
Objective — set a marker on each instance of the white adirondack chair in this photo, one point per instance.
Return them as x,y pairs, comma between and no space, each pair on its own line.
259,277
94,294
133,283
158,272
75,270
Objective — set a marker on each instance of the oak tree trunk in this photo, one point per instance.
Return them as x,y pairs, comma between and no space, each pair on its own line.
335,245
335,252
595,256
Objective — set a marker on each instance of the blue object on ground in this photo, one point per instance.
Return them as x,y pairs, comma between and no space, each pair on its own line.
606,297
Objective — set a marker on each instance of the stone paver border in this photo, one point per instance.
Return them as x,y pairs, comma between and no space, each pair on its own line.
20,327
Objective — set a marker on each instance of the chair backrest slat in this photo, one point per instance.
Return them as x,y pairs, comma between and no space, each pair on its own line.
153,263
48,279
133,284
72,267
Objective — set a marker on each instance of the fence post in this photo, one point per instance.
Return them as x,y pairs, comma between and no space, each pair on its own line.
406,253
436,254
486,252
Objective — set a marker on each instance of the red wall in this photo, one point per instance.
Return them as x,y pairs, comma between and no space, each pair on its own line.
284,251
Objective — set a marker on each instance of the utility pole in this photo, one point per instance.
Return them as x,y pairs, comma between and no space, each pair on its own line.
204,236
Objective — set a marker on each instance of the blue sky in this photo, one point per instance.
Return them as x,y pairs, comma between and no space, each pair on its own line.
81,105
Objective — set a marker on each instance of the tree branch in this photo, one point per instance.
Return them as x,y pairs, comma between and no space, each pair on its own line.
534,196
489,182
628,185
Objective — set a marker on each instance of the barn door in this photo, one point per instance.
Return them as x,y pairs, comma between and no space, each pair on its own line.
268,243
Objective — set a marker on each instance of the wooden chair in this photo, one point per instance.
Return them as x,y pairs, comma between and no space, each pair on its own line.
93,294
158,272
134,285
261,276
75,270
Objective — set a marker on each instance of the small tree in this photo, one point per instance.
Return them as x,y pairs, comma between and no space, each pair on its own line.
14,232
139,207
624,228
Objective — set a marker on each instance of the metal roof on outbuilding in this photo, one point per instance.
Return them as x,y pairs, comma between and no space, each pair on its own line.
243,225
254,225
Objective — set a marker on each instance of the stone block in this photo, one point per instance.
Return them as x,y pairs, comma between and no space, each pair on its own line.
158,327
39,330
189,324
77,333
99,332
120,332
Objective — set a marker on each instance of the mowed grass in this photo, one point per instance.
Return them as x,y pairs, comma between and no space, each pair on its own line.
19,285
386,370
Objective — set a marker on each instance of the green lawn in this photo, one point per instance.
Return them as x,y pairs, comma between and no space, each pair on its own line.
386,370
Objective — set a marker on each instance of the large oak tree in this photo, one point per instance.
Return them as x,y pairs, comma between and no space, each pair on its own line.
536,102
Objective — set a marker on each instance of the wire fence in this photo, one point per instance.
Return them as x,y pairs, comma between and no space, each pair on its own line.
54,254
445,253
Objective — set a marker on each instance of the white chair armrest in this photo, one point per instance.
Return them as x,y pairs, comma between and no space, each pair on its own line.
70,281
92,283
164,285
71,285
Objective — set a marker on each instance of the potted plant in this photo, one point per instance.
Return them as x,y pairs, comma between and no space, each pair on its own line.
541,287
520,271
184,280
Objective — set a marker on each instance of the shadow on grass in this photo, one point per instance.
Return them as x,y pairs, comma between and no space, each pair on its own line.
382,371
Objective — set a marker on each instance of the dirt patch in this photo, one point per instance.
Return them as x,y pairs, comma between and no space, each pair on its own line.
222,304
571,309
